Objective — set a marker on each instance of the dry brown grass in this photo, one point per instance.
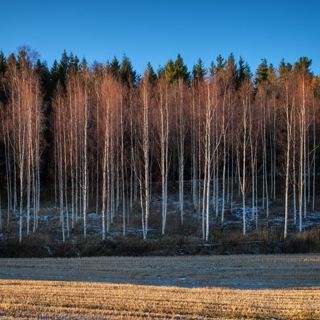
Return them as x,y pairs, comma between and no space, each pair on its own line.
83,300
228,287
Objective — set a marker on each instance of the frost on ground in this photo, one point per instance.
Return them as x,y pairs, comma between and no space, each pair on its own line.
256,217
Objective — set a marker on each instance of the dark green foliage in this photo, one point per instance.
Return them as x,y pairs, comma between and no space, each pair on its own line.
220,63
284,69
63,67
198,71
161,72
231,72
3,63
303,66
150,74
44,75
244,72
59,71
54,72
114,68
23,58
272,77
180,69
74,62
217,67
262,72
176,70
98,68
84,67
127,74
169,71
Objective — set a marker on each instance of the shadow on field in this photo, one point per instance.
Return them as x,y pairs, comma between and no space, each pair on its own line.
232,271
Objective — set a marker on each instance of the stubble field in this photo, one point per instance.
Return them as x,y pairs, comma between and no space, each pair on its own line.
194,287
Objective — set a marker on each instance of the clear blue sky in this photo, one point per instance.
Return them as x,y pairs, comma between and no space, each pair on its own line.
157,30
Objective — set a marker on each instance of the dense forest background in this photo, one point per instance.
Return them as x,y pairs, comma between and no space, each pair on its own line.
103,138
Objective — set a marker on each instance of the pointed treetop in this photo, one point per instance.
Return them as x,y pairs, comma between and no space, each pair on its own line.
160,72
284,69
262,72
150,74
84,65
114,68
220,63
231,70
169,71
98,68
74,62
272,76
198,71
12,60
217,67
23,59
54,66
64,61
42,68
180,69
243,73
127,74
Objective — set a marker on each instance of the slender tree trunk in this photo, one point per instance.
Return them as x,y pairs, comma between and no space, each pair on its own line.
288,122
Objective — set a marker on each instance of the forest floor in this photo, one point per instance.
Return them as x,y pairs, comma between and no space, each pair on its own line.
197,287
264,233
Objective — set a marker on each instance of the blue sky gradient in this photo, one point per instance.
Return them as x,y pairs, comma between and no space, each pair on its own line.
157,30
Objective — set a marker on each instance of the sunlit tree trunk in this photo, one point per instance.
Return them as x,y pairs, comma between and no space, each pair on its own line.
288,125
181,155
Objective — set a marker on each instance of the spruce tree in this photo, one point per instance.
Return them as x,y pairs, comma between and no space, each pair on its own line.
198,71
127,74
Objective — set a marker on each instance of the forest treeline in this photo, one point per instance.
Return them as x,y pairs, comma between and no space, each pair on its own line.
102,136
